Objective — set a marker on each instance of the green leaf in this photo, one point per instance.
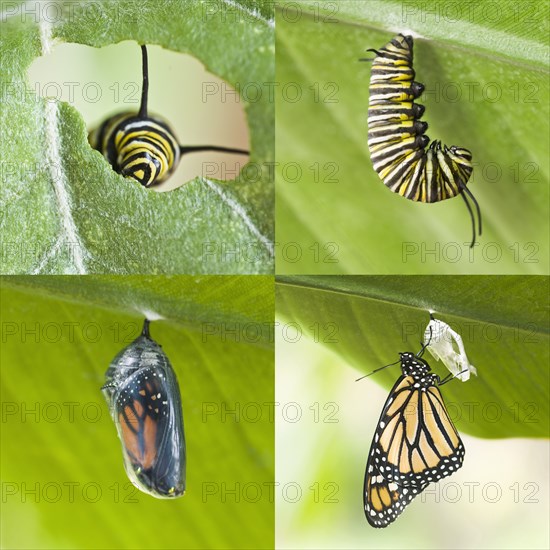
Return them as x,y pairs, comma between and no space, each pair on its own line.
486,78
58,338
64,210
504,323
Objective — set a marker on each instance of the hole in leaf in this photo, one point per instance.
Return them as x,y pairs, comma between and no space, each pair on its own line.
201,108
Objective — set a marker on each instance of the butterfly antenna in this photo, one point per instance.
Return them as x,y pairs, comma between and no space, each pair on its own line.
381,368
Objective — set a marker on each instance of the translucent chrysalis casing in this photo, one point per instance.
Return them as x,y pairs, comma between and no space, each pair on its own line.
144,400
446,345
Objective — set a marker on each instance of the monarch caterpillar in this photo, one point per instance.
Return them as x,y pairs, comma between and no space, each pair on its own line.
144,147
415,442
144,401
397,141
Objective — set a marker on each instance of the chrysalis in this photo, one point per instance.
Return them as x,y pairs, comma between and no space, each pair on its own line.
446,345
143,395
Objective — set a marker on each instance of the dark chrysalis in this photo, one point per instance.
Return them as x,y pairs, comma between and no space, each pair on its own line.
144,400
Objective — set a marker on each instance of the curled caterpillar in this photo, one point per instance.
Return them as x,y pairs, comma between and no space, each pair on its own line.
144,147
144,400
397,141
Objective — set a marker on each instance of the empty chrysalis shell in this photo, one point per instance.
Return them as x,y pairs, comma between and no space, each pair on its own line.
446,345
144,400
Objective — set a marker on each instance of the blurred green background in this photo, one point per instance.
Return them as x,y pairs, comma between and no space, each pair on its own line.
63,480
332,330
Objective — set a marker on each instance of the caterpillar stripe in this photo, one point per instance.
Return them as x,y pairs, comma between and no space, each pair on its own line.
141,148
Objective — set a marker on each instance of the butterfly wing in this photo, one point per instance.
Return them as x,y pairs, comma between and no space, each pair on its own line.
415,441
150,426
385,500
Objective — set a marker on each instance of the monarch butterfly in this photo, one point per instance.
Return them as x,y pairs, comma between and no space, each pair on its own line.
414,444
397,139
144,401
143,147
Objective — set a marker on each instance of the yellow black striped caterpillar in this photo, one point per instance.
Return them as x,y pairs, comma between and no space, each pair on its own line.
144,147
397,141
